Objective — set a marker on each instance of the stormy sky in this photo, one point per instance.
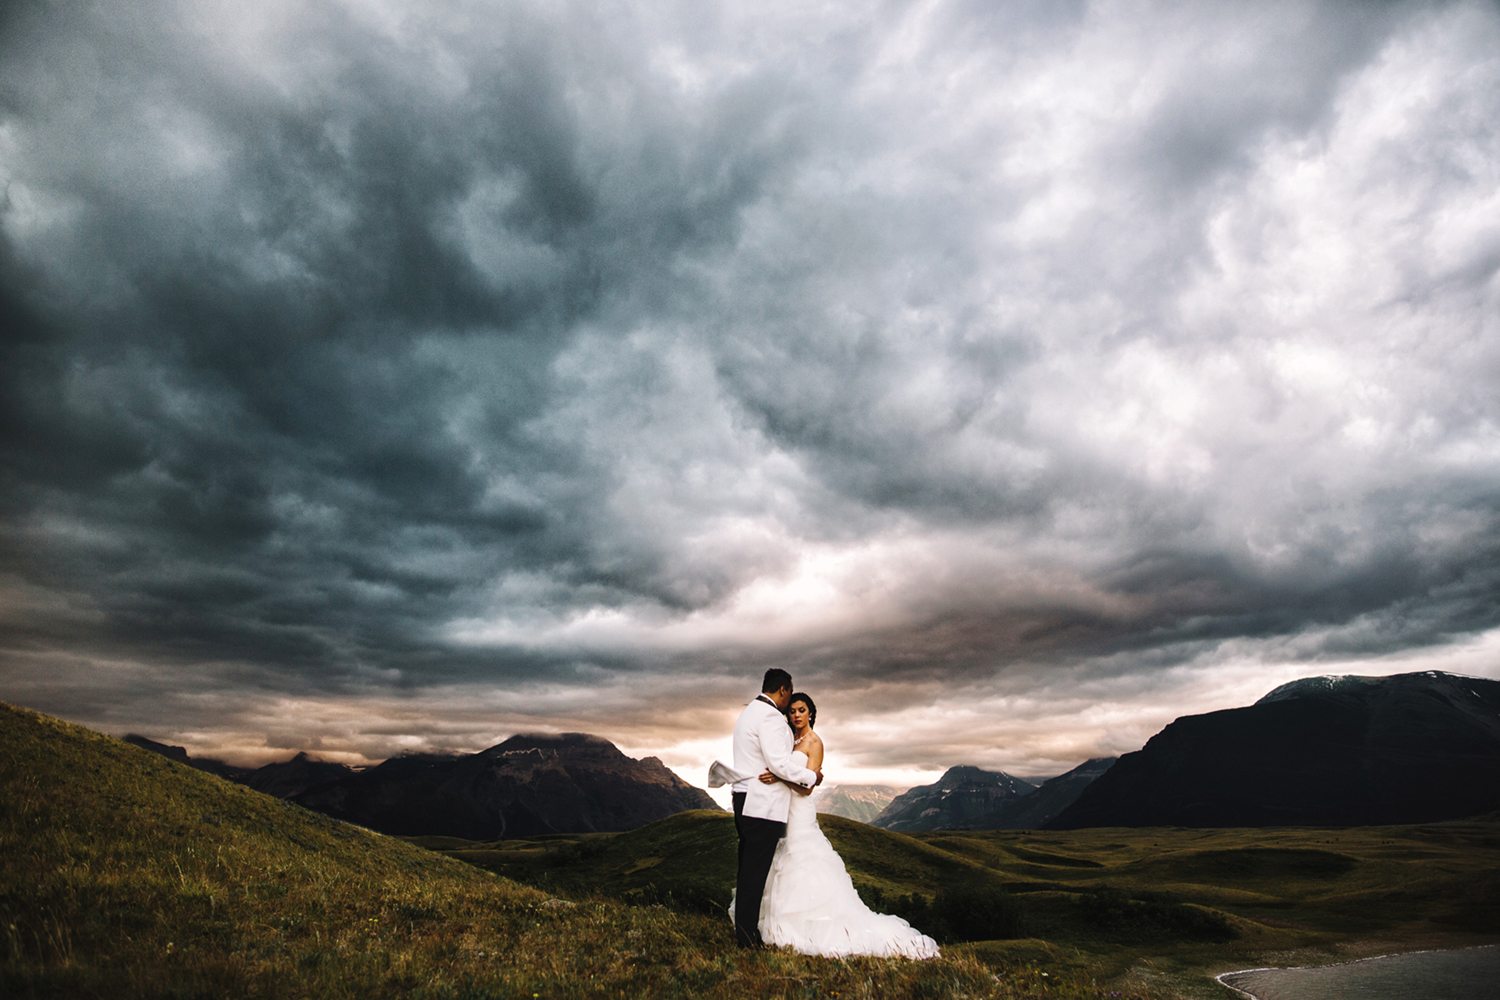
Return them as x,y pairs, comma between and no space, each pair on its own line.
385,375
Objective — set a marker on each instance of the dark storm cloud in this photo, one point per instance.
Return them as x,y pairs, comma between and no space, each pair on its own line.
233,394
381,347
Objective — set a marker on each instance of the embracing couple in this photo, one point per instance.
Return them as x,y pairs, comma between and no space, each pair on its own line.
792,889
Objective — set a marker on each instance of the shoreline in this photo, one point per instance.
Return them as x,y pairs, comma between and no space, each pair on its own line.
1336,965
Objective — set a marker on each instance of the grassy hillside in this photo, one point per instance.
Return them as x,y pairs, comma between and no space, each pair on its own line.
1146,910
1392,881
688,861
1401,881
128,875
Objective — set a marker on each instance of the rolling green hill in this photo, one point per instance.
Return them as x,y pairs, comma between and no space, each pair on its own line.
1390,880
1106,904
129,875
688,860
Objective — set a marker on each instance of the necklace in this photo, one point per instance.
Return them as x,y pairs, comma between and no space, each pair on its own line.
802,737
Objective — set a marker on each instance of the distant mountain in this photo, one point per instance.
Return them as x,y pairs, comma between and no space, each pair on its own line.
525,787
180,755
856,802
295,776
1336,751
283,779
960,796
528,785
1034,810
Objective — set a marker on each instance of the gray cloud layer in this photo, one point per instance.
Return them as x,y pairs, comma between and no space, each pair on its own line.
380,348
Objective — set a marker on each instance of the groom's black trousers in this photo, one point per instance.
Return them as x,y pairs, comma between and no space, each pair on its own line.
758,838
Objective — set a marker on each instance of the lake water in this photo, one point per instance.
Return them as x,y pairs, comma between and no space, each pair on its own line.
1468,974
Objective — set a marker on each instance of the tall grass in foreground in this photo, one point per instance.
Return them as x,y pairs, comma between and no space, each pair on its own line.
127,875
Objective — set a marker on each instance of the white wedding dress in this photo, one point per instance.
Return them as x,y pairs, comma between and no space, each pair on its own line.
810,904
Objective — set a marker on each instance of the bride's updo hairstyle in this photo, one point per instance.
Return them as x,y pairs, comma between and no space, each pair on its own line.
812,710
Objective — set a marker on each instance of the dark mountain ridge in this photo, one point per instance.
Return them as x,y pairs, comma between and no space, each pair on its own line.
282,779
526,786
1034,810
1324,751
206,764
962,795
295,776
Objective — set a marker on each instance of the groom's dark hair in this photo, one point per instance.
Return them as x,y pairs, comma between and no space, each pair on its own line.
776,679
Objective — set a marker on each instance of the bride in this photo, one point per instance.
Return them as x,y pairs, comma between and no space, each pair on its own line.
810,904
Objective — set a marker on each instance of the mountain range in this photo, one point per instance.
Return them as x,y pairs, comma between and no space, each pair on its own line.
1336,751
962,795
1323,751
1035,809
971,798
856,802
282,779
526,786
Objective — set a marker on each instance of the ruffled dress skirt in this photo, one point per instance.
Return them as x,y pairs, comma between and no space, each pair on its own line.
810,904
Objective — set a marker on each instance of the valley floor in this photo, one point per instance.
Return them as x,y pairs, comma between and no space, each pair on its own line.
1115,907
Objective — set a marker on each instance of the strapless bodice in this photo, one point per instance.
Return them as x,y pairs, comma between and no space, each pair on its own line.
803,811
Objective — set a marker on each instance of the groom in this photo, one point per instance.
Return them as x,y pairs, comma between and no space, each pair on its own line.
762,742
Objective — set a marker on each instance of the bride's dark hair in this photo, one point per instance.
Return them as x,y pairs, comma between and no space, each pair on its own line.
812,710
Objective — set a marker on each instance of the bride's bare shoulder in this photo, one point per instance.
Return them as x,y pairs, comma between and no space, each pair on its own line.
814,748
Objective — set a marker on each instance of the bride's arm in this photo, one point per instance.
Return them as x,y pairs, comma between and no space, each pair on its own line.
814,752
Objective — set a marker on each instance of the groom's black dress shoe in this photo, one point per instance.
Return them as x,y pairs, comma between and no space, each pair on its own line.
756,945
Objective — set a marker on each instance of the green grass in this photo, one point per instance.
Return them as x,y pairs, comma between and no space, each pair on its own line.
1293,895
1158,909
127,875
687,861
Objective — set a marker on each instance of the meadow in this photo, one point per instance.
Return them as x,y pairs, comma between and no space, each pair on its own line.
1148,911
128,875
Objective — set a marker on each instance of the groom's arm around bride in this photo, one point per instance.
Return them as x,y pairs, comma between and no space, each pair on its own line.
762,742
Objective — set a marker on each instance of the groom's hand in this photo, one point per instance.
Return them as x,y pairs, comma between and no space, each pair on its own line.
820,779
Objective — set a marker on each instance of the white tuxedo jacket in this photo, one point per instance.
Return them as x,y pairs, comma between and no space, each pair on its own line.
763,741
